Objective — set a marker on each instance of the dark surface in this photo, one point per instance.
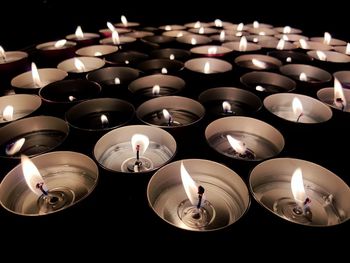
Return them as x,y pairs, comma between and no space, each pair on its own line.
118,209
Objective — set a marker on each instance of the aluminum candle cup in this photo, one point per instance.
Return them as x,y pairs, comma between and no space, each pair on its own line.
211,51
51,53
291,37
330,60
164,66
158,41
14,107
235,46
126,58
14,63
225,199
172,27
69,176
32,136
257,62
208,66
288,30
193,40
265,83
171,53
96,50
311,111
311,45
229,101
204,31
343,77
332,42
176,33
290,57
139,34
114,151
342,49
308,77
262,31
257,38
114,80
244,138
24,82
271,185
81,65
222,38
59,96
274,44
87,39
123,42
326,95
156,85
93,118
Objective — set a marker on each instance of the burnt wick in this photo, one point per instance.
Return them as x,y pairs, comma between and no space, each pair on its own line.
41,187
340,101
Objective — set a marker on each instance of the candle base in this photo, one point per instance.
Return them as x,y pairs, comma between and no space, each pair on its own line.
56,199
196,218
290,210
132,165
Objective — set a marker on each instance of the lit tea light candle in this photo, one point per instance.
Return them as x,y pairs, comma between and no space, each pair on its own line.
193,39
335,97
204,30
343,77
290,57
211,51
208,65
267,82
328,40
81,64
128,58
126,23
197,24
300,192
156,85
107,32
297,108
343,49
258,38
12,61
258,62
242,45
193,198
14,107
223,37
171,53
115,39
311,45
291,37
329,56
163,66
96,50
263,31
228,101
82,38
288,30
176,33
50,183
139,34
172,27
277,44
55,51
244,138
121,150
180,111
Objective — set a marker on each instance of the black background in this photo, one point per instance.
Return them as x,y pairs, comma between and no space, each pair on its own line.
90,223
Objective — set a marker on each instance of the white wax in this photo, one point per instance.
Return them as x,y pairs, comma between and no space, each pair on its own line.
288,114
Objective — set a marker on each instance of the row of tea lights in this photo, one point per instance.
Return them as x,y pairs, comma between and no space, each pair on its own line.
180,192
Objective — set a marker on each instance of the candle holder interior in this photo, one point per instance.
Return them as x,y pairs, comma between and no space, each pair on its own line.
236,46
312,45
114,152
89,64
215,65
88,39
51,55
290,56
273,44
158,40
255,140
153,66
343,77
17,62
241,102
171,53
211,51
32,136
156,85
96,50
313,111
332,42
226,196
270,183
291,37
126,58
326,95
69,177
23,105
193,39
262,62
267,82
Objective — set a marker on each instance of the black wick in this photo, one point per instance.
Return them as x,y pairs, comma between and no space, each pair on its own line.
200,195
41,187
170,121
340,100
301,114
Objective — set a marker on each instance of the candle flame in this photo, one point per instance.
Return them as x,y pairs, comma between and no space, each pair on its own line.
115,38
167,28
237,145
288,59
189,185
201,30
35,76
218,23
258,63
297,185
243,44
117,81
297,108
2,53
255,40
97,54
15,147
287,30
139,142
167,115
285,37
79,33
239,34
259,88
156,90
226,106
79,65
302,76
193,41
207,68
303,43
60,43
32,176
347,50
104,120
164,71
321,55
110,26
212,50
180,34
240,27
339,97
197,24
327,38
127,62
71,98
124,20
256,24
7,113
262,33
172,57
222,36
281,44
